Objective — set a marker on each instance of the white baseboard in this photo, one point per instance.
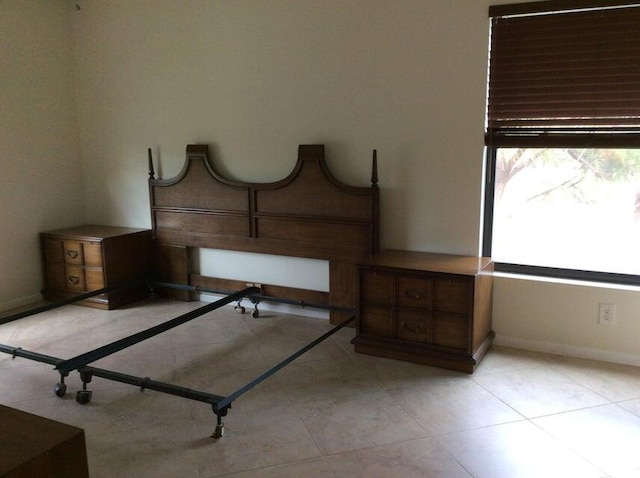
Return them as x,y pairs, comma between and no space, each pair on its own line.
273,307
22,301
568,350
515,342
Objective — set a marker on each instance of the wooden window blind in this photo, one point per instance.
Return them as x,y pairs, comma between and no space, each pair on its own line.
571,70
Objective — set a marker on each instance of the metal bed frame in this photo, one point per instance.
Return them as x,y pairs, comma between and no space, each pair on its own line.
80,363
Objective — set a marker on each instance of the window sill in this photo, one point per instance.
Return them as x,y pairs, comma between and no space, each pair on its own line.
573,282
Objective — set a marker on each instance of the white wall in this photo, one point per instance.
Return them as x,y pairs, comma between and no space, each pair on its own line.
562,317
41,185
254,79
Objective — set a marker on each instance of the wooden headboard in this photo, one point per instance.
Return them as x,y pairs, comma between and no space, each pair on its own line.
308,214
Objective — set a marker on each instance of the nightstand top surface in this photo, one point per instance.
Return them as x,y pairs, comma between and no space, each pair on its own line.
95,231
431,262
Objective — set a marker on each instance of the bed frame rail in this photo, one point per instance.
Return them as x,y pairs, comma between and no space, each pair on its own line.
220,404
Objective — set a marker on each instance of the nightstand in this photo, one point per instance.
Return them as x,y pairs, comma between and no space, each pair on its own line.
433,309
86,258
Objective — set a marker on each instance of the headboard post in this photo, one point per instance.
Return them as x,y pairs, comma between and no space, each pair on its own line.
152,174
375,205
374,169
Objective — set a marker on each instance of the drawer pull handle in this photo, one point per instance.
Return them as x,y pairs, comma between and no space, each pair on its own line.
415,328
72,254
413,293
74,280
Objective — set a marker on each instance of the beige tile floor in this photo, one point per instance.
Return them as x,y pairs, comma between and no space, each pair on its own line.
331,413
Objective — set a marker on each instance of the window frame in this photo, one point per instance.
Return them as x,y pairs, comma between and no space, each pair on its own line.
554,136
524,269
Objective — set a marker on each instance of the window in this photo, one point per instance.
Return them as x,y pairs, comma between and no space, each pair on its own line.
563,140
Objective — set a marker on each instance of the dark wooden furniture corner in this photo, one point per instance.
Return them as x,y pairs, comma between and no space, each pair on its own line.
36,447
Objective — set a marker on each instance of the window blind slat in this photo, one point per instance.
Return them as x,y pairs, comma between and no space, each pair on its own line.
601,74
555,92
579,55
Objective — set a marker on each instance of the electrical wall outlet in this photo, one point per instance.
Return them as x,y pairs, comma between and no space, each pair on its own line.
607,314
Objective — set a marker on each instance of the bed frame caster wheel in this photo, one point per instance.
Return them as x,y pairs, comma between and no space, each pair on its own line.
83,396
256,313
218,432
240,309
60,389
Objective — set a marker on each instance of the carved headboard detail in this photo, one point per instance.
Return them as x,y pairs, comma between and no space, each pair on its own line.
307,214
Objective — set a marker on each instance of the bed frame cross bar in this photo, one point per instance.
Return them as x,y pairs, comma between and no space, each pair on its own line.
226,401
84,359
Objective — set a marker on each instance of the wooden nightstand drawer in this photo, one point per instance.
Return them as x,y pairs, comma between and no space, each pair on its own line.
74,279
94,278
377,288
413,327
450,331
92,252
413,291
72,252
377,321
90,258
451,295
